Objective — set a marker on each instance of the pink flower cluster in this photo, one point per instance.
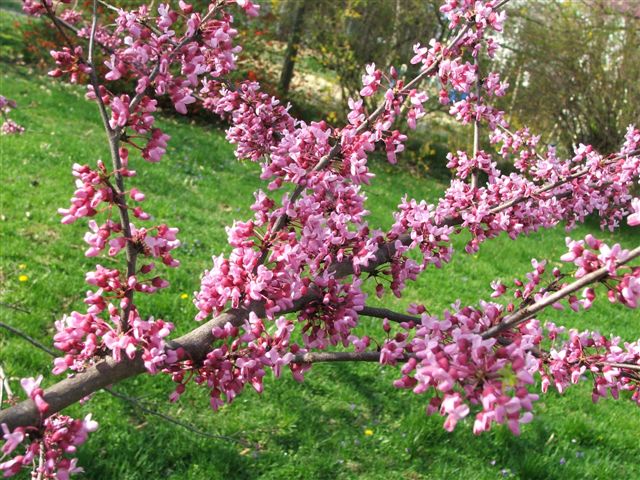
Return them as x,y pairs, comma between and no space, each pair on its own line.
69,62
91,191
9,127
59,435
466,369
482,13
584,353
450,356
330,320
521,147
591,255
86,337
240,359
465,166
257,120
634,219
239,281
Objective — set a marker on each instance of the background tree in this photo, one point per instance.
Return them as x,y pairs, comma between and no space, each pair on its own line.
574,69
299,7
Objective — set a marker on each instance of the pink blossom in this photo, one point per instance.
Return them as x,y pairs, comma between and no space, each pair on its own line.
9,127
634,219
371,81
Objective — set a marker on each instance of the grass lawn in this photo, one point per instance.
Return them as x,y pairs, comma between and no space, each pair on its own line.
345,421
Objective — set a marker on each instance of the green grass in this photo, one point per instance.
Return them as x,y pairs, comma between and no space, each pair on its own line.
312,430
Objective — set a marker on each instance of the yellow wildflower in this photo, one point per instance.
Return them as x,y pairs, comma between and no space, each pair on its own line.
23,278
368,432
184,296
22,266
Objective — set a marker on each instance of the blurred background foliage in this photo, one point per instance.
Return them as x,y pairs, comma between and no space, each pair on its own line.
574,69
573,66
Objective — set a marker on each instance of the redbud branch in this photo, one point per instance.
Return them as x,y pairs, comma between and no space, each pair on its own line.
197,343
551,186
529,312
133,401
318,357
402,317
387,250
120,198
388,314
627,366
113,138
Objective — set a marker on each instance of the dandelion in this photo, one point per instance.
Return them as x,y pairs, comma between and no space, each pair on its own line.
368,432
23,278
184,296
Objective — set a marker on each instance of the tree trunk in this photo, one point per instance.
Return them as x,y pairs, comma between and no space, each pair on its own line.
292,46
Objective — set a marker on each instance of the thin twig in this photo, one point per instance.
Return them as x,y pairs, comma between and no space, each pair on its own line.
553,185
113,137
330,357
476,126
28,338
530,311
14,307
135,402
626,366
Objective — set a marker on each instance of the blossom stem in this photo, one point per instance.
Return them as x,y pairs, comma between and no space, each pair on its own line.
388,314
476,126
529,312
